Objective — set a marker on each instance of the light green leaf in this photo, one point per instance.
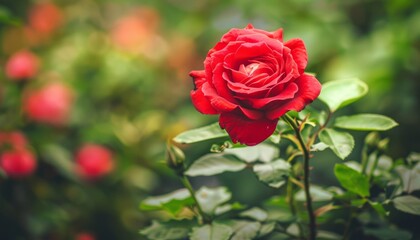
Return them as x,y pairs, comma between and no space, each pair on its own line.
266,229
228,207
215,231
214,163
255,213
262,152
318,194
341,143
211,198
172,202
212,131
171,230
352,180
408,204
337,94
365,122
379,208
244,230
273,173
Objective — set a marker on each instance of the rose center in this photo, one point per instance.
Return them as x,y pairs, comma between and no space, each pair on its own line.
251,68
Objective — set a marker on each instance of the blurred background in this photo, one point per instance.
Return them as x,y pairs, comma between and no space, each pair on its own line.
88,78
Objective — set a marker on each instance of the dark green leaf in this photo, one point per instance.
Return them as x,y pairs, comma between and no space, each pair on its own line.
214,163
255,213
212,131
337,94
262,152
408,204
341,143
273,173
214,231
244,230
171,230
172,202
211,198
388,233
352,180
365,122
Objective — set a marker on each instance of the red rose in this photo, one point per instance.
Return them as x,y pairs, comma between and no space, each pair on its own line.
50,104
84,236
22,65
93,161
18,163
251,78
45,18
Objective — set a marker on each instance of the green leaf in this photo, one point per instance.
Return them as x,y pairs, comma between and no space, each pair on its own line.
388,233
341,143
352,180
273,173
244,230
266,229
212,131
379,208
171,230
365,122
214,163
60,158
408,204
215,231
337,94
262,152
255,213
172,202
318,194
211,198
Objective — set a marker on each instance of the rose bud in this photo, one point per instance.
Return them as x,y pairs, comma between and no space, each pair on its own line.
18,163
22,65
93,161
84,236
45,18
251,78
51,104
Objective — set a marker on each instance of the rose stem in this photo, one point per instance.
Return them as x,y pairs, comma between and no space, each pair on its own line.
311,215
202,216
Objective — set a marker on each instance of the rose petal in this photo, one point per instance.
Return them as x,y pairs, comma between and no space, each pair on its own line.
219,103
246,131
309,89
201,103
287,93
298,52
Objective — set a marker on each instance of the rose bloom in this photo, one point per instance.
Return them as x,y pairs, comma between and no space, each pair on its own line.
45,18
22,65
18,163
251,78
84,236
50,104
93,161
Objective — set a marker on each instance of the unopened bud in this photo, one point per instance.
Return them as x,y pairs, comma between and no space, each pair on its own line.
372,139
175,158
383,144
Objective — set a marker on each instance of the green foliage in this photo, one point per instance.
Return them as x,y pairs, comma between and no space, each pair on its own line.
365,122
212,164
352,180
172,202
338,94
273,173
408,204
171,230
209,132
214,231
341,143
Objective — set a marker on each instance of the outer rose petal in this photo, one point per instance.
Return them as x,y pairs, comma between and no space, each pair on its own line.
246,131
298,52
309,90
201,103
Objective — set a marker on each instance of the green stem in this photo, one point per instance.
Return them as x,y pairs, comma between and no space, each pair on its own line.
291,201
364,158
306,157
203,218
375,164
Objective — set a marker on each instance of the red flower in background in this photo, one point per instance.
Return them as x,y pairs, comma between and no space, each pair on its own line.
18,163
15,159
84,236
93,161
22,65
45,18
50,104
251,78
